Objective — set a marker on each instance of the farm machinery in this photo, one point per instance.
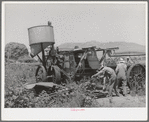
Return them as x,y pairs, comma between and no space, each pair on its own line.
61,66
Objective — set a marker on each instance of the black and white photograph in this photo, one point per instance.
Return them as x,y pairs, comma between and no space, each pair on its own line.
74,60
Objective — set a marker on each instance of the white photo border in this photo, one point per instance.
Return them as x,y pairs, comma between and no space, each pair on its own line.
66,113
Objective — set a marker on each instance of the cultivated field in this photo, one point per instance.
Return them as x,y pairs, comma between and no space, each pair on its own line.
16,96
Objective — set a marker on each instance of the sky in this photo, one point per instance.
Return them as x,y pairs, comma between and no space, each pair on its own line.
78,22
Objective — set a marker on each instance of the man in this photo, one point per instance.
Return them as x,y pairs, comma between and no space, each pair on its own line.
53,55
121,70
107,73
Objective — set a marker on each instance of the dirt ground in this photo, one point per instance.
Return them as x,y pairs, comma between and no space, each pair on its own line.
128,101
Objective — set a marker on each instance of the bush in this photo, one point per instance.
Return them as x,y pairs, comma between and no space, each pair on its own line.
14,50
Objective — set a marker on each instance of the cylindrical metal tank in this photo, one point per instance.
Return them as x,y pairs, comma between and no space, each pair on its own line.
40,34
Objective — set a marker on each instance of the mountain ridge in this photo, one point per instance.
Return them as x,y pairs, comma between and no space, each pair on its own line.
123,46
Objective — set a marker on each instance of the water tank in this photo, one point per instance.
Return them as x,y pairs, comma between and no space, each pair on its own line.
40,36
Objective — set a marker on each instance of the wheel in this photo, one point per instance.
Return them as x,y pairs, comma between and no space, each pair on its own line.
40,74
136,79
54,71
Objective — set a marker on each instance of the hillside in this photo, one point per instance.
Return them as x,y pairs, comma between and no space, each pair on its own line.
123,46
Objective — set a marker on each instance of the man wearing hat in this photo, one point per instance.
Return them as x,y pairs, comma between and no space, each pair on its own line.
121,70
107,73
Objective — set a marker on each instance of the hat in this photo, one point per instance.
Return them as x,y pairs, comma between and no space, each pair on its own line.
76,48
101,67
121,60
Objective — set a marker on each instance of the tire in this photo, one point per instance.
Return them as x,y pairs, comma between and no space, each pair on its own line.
55,72
136,79
41,74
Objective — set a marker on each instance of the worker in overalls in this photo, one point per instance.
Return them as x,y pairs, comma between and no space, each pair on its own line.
121,70
53,55
109,76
